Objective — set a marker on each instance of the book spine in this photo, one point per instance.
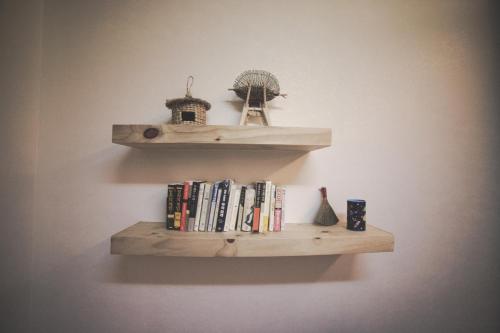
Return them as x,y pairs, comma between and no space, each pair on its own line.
223,206
229,206
241,207
178,206
256,211
205,207
248,208
199,202
213,206
192,205
185,209
217,207
234,209
277,220
277,208
264,208
283,209
170,207
272,205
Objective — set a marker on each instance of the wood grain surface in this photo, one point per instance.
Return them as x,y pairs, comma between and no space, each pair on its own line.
151,238
223,137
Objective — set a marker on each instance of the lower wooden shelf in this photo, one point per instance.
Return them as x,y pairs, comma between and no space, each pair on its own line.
151,238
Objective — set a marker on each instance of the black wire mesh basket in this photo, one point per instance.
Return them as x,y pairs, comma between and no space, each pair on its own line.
256,81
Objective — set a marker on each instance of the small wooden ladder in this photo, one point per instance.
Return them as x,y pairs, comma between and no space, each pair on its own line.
259,110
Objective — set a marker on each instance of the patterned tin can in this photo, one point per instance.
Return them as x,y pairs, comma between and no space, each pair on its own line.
356,215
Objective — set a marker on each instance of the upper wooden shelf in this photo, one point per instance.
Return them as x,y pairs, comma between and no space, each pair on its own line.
223,137
152,238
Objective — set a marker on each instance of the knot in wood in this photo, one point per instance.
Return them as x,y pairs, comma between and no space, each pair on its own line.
151,133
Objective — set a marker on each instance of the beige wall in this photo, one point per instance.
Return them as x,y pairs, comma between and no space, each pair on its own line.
20,61
404,85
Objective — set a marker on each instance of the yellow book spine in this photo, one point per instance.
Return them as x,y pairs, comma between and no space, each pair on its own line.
266,223
177,220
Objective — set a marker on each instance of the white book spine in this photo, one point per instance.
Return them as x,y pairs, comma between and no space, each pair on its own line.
246,224
201,190
234,211
229,210
205,207
264,215
271,207
283,210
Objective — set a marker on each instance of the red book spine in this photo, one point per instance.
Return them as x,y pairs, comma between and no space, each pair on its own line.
185,197
256,219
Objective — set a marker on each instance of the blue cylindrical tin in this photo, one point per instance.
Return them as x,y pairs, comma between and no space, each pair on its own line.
356,215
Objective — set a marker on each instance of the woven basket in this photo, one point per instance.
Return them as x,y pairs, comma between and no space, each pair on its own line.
188,110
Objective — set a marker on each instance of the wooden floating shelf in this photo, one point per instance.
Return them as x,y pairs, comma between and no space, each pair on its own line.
151,238
222,137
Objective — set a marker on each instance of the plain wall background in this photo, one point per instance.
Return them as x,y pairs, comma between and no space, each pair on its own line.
20,70
406,86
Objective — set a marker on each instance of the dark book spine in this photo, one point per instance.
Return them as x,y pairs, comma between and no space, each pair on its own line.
259,197
242,196
170,207
193,199
177,206
221,217
263,195
241,208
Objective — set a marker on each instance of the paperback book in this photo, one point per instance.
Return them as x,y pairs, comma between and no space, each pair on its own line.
213,206
193,204
234,210
264,211
223,205
170,207
205,207
241,205
248,209
185,208
278,209
177,205
272,205
259,197
199,202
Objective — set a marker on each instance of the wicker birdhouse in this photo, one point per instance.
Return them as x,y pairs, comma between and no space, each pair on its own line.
188,110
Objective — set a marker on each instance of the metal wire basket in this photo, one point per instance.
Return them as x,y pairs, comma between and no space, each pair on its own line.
188,110
256,88
256,80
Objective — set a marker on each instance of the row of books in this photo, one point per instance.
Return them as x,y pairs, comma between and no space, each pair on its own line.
225,206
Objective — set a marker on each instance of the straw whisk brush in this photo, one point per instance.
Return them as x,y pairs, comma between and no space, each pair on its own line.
326,215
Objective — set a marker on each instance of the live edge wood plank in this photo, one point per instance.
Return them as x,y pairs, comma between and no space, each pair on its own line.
223,137
151,238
